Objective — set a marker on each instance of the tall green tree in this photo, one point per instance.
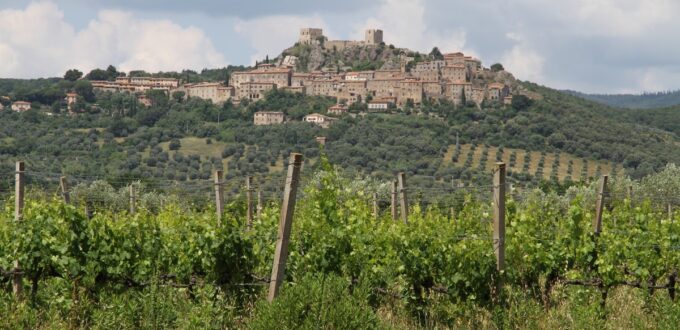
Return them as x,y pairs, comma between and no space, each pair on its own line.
73,75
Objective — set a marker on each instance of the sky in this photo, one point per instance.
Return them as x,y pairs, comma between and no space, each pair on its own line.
595,46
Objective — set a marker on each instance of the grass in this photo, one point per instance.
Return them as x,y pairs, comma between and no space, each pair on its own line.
607,167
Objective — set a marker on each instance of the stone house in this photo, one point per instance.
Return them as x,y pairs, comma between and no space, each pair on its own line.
497,91
453,73
337,109
268,118
209,91
253,90
319,119
21,106
409,89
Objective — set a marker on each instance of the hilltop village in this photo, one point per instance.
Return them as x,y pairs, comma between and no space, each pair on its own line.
455,77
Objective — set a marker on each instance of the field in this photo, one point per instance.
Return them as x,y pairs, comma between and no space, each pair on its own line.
549,165
175,264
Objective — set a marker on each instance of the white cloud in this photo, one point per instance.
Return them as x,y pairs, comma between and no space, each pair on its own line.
522,60
404,25
269,35
36,41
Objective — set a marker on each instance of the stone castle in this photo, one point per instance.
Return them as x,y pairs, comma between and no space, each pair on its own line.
457,78
315,36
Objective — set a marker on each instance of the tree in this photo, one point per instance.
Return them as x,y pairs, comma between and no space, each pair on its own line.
435,54
84,89
497,67
112,71
178,96
97,74
73,75
520,102
175,144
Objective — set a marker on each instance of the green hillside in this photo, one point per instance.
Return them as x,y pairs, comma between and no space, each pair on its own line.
120,140
634,101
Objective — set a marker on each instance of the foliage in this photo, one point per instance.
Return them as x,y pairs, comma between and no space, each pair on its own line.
497,67
73,75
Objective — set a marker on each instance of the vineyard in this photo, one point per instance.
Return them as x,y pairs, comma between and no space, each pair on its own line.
545,165
96,256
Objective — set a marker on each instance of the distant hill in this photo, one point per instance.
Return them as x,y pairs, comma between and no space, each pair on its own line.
636,101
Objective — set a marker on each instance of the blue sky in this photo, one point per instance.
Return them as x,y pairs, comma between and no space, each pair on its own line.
609,46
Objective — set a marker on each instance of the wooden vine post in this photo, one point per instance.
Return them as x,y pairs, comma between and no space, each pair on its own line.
285,223
499,215
259,203
249,200
219,199
375,205
19,184
499,223
393,205
597,221
65,193
133,200
403,200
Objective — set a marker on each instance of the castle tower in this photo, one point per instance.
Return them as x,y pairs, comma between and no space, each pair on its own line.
310,35
374,36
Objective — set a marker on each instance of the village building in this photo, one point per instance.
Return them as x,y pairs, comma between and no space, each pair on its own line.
71,99
264,73
497,91
380,105
455,91
456,72
337,110
21,106
409,90
215,92
433,89
136,84
319,119
478,95
254,91
268,118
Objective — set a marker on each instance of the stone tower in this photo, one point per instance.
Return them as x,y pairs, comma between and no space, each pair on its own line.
309,35
374,36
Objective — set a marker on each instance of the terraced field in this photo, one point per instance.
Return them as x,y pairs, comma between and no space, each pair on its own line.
546,165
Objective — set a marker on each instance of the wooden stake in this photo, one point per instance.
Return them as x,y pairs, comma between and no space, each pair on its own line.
394,200
285,223
499,215
402,197
259,203
89,208
133,200
249,201
375,205
64,190
597,221
670,212
219,199
17,286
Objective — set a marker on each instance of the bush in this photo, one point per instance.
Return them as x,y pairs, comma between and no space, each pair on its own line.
317,303
175,144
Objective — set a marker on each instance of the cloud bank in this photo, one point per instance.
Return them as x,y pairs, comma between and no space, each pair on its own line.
38,42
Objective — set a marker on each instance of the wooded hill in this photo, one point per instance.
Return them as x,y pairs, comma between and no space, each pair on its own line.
634,101
179,139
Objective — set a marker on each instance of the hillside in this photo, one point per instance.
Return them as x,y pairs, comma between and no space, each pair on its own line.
122,144
634,101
